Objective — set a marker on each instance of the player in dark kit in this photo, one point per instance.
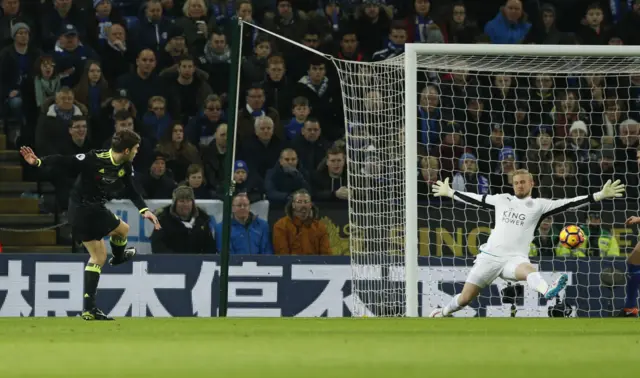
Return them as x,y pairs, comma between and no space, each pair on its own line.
103,175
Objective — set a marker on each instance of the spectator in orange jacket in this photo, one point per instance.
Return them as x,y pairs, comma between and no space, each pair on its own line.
300,231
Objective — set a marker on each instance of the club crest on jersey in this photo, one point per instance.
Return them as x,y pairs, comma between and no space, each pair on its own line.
121,173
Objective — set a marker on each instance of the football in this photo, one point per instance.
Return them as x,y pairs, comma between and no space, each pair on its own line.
571,236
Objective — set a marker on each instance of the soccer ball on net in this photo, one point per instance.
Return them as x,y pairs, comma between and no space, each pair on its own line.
571,236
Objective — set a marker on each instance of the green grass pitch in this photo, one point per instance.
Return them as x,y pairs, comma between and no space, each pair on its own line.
328,348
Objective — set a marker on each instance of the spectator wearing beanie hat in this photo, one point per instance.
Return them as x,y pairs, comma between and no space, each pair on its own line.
12,14
468,179
16,72
251,185
185,227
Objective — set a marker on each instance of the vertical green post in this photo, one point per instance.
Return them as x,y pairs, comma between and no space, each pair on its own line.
232,99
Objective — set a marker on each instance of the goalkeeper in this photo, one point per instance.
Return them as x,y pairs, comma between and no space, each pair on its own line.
505,254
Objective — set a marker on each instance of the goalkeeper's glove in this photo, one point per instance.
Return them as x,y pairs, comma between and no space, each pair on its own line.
610,190
442,189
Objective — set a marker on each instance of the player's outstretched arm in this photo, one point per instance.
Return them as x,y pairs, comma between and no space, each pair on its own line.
138,201
443,189
71,161
609,190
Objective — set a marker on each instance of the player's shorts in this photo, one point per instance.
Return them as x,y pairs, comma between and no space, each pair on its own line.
487,268
91,222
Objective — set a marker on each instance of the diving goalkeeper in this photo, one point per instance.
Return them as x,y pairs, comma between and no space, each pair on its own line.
506,252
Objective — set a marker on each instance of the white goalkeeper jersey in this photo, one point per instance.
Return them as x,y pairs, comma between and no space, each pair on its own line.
516,220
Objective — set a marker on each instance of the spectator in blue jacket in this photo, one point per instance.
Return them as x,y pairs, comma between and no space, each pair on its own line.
285,177
249,234
510,25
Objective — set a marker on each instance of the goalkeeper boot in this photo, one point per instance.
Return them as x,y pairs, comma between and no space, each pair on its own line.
557,286
95,314
129,253
628,313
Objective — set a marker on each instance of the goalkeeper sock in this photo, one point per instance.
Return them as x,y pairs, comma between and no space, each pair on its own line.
91,277
537,283
118,245
633,283
452,307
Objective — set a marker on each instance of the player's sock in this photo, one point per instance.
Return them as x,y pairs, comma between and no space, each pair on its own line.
633,283
452,307
91,277
118,245
537,283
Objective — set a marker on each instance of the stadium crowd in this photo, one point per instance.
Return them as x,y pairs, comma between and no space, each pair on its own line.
72,72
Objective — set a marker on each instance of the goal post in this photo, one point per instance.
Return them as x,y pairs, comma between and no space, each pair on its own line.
474,113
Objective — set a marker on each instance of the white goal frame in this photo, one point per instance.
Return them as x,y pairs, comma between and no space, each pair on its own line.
412,51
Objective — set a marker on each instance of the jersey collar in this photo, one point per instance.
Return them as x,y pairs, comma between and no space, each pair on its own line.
111,157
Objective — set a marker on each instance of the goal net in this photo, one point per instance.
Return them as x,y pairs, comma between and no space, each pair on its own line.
474,114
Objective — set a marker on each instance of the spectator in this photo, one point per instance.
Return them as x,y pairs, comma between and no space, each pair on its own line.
254,109
279,90
255,66
429,175
92,89
288,22
157,182
310,146
429,117
249,234
510,25
459,27
629,27
300,231
372,25
202,128
301,113
195,23
196,181
324,98
251,185
213,157
12,15
154,28
189,87
349,47
215,59
222,10
53,126
594,31
46,79
546,238
103,128
179,152
452,147
103,18
71,55
184,226
174,50
545,31
76,142
157,120
468,179
540,155
598,241
123,120
501,178
285,177
395,45
566,112
419,22
16,62
56,16
118,55
143,84
261,150
563,183
329,182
